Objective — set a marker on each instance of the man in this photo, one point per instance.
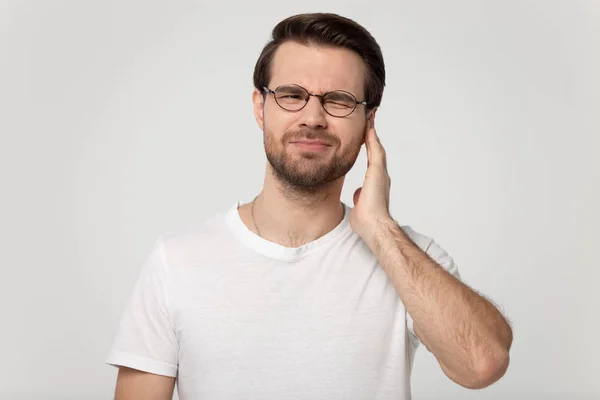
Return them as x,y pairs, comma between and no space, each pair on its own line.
296,295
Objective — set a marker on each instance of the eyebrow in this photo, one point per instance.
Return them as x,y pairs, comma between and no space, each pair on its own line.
339,93
322,92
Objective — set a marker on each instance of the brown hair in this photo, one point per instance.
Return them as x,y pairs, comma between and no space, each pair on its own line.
332,30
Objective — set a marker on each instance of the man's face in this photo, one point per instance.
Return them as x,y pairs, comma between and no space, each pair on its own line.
296,161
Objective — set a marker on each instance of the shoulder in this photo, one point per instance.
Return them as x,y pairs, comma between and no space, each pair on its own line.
196,238
419,238
432,248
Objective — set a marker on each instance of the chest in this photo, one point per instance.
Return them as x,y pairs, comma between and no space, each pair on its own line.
325,305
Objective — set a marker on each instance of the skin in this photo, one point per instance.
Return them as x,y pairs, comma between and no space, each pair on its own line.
138,385
300,202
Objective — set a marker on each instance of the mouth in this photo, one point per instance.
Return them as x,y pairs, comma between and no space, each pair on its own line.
311,144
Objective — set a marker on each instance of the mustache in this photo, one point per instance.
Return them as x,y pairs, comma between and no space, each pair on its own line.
310,134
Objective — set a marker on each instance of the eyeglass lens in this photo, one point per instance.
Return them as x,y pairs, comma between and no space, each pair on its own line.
294,98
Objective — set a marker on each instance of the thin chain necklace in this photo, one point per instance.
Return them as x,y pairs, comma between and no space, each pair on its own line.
254,220
252,213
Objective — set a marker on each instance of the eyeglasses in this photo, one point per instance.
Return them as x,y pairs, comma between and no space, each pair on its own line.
337,103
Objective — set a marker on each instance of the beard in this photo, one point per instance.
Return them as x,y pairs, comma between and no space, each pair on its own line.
308,172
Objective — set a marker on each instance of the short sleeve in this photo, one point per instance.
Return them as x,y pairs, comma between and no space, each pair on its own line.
145,339
440,256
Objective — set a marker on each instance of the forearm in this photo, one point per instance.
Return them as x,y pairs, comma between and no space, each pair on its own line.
465,332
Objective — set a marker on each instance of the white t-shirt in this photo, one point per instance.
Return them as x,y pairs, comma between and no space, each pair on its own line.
234,316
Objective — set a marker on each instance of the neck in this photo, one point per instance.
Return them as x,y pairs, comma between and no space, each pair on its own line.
295,217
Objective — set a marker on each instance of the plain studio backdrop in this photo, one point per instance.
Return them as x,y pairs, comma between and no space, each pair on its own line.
121,120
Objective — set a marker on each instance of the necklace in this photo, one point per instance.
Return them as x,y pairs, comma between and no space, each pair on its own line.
254,220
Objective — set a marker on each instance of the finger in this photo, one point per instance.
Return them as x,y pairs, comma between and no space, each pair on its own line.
381,150
368,144
375,150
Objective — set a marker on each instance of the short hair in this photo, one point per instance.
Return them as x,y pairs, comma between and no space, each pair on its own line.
332,30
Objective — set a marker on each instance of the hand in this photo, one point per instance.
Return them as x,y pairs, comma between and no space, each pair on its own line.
372,200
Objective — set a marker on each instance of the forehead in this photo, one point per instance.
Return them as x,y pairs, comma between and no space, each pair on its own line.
317,68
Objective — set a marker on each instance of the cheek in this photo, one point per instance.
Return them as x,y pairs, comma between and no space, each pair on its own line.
352,134
277,122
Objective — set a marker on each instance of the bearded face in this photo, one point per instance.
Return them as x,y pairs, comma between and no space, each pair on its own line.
306,144
308,159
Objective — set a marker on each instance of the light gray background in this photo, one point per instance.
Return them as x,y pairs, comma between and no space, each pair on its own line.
123,119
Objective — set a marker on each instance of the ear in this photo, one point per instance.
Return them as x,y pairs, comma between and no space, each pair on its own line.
370,122
371,118
258,99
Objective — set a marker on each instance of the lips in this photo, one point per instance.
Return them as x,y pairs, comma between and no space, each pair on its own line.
312,142
311,145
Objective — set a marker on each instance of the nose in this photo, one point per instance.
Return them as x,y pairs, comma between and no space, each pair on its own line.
313,114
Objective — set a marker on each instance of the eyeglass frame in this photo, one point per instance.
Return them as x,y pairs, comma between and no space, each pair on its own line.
320,96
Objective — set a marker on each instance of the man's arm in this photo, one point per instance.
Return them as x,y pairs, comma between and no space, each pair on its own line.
469,337
138,385
467,334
